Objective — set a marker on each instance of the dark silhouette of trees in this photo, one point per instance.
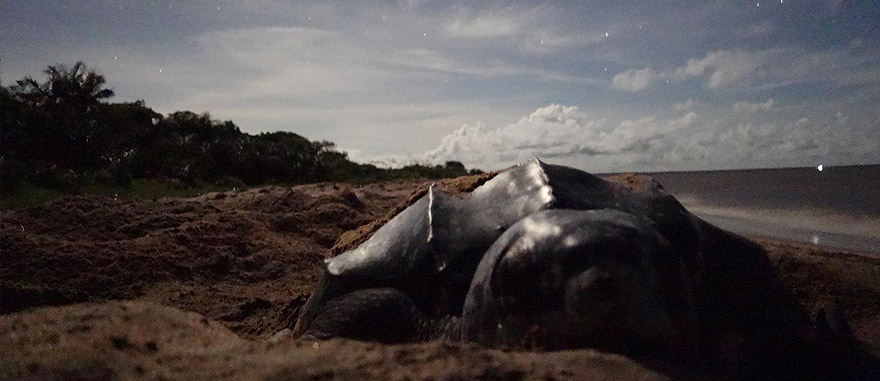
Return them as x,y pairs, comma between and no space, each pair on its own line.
66,106
61,133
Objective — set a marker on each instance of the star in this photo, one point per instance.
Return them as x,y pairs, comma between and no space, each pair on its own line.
606,34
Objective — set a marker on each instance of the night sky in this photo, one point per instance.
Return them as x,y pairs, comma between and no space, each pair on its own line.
604,86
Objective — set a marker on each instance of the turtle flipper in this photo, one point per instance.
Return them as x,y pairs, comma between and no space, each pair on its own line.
375,314
383,314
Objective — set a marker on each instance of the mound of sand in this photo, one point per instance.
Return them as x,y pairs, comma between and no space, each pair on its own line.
247,258
148,341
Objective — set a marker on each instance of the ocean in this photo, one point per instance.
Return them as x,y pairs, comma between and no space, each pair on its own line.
837,207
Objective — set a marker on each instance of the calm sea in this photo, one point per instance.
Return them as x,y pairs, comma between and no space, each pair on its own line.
838,206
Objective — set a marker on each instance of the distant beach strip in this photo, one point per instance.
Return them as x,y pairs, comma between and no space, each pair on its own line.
814,227
837,207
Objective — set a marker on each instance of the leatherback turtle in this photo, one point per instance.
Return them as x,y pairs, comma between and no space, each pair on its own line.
553,257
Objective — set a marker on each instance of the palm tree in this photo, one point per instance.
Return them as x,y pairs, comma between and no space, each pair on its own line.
76,87
68,100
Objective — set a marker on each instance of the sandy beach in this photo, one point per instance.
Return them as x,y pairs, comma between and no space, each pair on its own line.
204,288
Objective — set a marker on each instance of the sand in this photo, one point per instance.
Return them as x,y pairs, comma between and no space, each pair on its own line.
204,287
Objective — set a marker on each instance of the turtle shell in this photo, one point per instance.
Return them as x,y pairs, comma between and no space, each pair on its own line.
431,249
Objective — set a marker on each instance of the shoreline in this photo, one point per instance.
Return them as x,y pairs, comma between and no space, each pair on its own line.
818,249
822,230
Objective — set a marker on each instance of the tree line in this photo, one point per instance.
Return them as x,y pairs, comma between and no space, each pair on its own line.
62,133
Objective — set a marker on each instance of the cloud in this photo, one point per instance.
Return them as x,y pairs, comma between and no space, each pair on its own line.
634,80
316,61
753,107
518,28
684,106
686,120
722,67
409,5
763,70
558,131
392,79
498,24
651,143
552,131
329,85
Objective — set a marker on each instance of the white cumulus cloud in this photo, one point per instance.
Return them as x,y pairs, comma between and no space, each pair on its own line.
558,132
565,135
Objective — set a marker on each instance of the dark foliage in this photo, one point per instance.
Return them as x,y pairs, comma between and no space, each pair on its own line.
61,134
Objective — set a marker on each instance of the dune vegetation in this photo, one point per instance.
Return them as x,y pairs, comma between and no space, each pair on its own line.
62,136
